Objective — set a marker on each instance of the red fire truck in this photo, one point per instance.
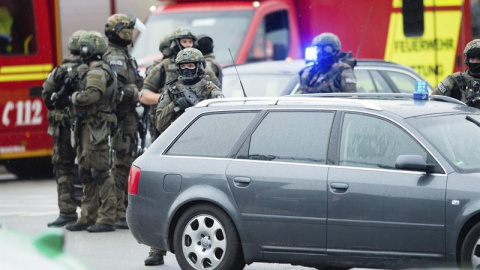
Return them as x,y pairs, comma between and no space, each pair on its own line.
29,49
428,35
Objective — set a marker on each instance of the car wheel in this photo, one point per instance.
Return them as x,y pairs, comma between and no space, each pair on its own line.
206,238
471,249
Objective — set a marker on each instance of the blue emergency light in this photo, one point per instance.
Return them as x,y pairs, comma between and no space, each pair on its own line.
421,90
310,54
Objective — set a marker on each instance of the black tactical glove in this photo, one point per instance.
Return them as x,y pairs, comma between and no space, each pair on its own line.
62,102
182,103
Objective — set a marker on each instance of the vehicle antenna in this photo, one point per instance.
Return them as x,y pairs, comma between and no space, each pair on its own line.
357,55
243,89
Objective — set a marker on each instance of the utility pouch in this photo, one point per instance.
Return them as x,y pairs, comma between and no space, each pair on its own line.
120,143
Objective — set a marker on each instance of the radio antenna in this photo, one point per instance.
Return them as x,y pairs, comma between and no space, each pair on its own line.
363,32
241,85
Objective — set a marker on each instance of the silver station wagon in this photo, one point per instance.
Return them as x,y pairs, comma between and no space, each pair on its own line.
331,182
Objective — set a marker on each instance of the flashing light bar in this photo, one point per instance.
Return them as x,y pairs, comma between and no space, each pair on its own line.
310,54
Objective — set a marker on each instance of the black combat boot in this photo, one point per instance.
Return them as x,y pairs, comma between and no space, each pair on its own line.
154,259
121,224
99,227
61,221
74,227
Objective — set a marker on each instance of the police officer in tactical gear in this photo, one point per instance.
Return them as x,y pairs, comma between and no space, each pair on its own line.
166,71
329,73
191,87
57,91
119,31
204,44
464,86
93,105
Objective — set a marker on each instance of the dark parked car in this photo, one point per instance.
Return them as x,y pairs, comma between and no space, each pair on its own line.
278,78
378,181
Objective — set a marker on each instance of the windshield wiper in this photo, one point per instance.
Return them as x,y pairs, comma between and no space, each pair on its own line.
473,120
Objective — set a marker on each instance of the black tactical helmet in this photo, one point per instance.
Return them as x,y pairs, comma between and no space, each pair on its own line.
204,44
179,33
165,47
472,50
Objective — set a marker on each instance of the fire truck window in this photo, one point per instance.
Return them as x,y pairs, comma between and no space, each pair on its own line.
271,39
413,22
17,31
475,15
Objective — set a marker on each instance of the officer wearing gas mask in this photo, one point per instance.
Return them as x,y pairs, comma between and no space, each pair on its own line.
329,73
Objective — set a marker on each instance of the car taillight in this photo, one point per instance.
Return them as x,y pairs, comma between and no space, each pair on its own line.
133,178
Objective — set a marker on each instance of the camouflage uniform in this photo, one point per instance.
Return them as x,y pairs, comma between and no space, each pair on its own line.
166,70
328,74
63,157
125,140
93,105
167,110
464,86
204,89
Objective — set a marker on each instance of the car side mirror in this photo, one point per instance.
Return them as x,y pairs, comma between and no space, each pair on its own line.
413,163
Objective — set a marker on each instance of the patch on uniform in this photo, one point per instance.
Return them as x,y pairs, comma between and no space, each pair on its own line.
442,88
116,62
350,80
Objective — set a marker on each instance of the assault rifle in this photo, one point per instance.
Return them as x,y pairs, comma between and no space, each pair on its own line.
473,95
190,95
142,125
60,99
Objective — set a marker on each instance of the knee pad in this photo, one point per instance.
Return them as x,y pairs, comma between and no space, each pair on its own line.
61,172
100,176
85,175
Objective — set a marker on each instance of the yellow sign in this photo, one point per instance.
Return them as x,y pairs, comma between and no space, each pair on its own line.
432,53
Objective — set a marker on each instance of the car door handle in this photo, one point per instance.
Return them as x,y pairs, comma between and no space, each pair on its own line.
339,187
241,181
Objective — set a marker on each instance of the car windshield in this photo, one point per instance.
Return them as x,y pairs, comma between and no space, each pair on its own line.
226,28
455,137
261,85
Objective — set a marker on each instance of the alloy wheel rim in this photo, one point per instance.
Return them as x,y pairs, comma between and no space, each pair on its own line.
476,255
204,242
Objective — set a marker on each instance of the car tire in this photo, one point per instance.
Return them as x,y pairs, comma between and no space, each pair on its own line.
471,249
206,238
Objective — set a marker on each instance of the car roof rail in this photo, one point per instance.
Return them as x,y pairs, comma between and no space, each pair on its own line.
284,99
381,95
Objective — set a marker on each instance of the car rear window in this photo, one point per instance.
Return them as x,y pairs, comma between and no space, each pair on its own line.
212,135
292,137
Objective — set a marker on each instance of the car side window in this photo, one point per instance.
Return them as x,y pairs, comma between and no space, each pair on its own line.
371,142
380,83
212,135
404,83
364,82
292,137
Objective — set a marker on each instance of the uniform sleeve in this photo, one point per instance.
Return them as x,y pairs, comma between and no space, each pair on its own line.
445,87
164,114
155,79
96,84
51,85
216,92
348,81
303,78
212,77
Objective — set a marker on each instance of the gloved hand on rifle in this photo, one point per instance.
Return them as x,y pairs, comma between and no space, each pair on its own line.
182,103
